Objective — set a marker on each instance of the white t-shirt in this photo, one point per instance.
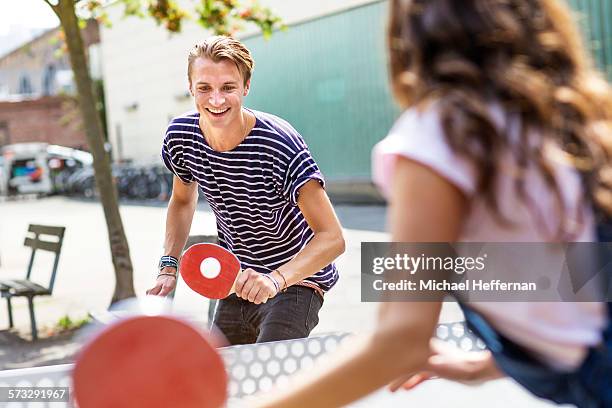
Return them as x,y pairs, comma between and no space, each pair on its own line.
556,333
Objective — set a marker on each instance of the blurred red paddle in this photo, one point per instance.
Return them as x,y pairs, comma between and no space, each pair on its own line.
210,270
150,361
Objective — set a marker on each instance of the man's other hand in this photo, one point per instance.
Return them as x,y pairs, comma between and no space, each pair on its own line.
164,283
254,286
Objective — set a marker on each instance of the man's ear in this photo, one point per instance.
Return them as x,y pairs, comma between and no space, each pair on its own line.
189,87
247,86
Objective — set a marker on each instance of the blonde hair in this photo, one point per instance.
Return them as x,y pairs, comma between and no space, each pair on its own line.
221,47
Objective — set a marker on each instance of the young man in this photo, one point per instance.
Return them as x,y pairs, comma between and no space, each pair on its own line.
266,192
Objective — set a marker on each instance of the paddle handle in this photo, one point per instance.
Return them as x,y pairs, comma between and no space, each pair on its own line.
233,289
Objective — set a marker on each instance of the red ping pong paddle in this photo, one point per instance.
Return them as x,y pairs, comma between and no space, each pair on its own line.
150,361
210,270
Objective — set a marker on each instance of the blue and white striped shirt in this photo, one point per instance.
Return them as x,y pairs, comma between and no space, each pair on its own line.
252,189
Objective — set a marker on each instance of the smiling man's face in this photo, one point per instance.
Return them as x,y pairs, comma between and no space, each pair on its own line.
218,89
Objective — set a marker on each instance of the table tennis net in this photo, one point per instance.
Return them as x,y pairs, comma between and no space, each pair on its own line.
258,367
251,368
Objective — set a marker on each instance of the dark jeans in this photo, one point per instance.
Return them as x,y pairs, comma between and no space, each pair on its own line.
589,386
289,315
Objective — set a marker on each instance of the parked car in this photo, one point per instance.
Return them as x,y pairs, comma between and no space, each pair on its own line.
31,168
3,183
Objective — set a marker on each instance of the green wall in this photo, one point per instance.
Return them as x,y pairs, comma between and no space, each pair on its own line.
595,17
328,77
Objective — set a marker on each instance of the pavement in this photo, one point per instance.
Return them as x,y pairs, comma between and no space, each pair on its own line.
85,282
85,279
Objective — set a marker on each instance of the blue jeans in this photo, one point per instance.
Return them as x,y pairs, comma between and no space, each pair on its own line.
589,386
289,315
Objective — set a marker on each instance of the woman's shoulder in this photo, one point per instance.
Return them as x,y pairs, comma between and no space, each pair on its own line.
419,136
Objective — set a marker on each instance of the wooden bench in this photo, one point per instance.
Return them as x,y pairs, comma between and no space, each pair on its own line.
11,288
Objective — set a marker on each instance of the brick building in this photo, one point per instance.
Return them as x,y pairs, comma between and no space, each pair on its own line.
50,119
35,87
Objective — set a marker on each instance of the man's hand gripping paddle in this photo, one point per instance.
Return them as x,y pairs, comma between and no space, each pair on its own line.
150,361
210,270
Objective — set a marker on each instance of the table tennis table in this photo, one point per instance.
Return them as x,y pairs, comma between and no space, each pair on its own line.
258,367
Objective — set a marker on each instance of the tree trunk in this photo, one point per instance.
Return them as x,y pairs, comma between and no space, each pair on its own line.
120,252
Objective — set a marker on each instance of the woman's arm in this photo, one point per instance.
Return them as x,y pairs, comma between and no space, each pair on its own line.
424,208
398,346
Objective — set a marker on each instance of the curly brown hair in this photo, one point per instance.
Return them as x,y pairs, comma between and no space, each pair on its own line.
525,55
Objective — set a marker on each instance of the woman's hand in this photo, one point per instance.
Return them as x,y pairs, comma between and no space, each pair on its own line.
451,363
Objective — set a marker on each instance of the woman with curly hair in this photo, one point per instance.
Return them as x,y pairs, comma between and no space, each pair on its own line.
506,136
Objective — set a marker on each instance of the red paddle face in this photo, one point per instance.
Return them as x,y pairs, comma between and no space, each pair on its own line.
209,270
147,361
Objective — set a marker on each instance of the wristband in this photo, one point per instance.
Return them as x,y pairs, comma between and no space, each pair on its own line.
168,260
166,274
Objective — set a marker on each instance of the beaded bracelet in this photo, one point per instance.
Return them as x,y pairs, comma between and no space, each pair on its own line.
284,280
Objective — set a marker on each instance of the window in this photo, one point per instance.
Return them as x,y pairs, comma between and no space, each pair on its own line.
25,86
4,133
49,80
